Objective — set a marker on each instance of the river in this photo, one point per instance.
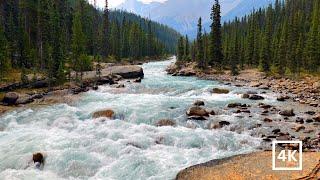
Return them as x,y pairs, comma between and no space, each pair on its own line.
132,147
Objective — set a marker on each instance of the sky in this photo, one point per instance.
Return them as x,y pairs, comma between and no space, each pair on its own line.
115,3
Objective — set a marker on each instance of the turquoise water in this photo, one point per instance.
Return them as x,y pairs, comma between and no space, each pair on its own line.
79,147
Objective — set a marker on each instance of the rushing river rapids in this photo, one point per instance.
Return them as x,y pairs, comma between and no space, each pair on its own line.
79,147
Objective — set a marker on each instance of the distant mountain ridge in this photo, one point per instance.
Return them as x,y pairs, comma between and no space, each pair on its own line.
182,15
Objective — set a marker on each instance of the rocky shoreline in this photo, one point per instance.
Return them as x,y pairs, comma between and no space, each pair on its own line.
38,93
305,90
301,121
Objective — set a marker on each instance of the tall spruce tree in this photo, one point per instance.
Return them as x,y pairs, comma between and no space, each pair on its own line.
187,49
4,58
105,33
180,51
78,41
200,48
216,55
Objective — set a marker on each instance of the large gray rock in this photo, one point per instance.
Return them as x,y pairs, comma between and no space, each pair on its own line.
198,113
127,72
10,98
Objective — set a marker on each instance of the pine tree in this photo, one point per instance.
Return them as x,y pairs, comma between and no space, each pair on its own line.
234,61
200,48
180,50
105,33
4,56
216,55
187,49
313,45
78,41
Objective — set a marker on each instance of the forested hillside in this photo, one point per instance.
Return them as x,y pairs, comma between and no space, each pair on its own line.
282,39
56,37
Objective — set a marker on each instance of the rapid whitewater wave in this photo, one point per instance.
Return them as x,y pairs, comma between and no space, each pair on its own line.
79,147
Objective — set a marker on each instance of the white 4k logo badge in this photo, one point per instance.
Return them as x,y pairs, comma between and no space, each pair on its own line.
287,160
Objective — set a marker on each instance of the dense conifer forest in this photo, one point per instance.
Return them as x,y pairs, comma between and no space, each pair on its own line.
55,37
282,39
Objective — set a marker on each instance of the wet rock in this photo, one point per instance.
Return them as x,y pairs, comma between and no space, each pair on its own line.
309,121
264,87
314,104
285,137
267,120
252,92
246,111
298,128
283,98
25,99
211,112
198,103
139,80
219,125
300,120
40,84
276,131
287,113
37,96
95,88
127,72
256,97
317,118
38,160
245,96
237,111
264,106
220,91
310,113
187,72
10,98
224,123
307,131
104,113
255,84
267,139
120,86
197,111
234,105
165,122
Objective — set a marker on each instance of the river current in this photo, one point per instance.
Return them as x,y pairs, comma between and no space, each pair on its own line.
131,147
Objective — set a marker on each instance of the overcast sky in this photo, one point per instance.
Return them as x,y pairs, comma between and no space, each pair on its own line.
114,3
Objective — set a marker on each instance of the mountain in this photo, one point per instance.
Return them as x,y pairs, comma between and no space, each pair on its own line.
183,15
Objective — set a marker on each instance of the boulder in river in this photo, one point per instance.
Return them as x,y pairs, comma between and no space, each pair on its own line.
108,113
10,98
219,125
38,160
165,122
287,113
197,113
245,96
198,103
38,157
256,97
282,98
220,91
128,72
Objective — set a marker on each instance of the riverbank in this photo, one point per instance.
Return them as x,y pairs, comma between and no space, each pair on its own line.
38,93
251,166
305,90
302,96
